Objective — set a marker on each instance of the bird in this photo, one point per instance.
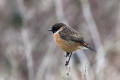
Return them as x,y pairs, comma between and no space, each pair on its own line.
68,39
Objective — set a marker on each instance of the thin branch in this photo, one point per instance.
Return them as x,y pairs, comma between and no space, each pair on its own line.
60,16
46,62
87,73
96,38
118,24
28,53
59,11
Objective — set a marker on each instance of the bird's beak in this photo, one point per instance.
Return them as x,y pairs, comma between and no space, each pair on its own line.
49,30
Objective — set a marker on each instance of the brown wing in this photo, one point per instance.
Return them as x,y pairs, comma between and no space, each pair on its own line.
70,34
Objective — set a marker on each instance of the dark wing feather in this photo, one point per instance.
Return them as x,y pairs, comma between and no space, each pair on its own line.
72,38
70,34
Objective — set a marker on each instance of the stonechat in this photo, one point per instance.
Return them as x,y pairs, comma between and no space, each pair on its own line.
68,39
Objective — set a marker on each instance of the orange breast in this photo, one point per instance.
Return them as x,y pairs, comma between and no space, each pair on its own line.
68,46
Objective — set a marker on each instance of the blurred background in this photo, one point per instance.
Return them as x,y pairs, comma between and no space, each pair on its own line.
28,51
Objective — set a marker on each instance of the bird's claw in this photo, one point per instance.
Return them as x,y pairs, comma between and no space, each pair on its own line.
67,62
67,54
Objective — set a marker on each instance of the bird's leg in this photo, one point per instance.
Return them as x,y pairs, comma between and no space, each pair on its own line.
67,54
67,62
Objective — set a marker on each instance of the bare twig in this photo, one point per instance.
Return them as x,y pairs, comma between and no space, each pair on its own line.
96,38
87,73
60,16
46,62
118,24
59,11
18,6
28,53
27,43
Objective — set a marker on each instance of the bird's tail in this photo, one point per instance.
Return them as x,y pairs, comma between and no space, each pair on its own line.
90,48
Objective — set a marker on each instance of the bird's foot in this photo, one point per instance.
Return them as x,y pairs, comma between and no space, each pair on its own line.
67,62
67,54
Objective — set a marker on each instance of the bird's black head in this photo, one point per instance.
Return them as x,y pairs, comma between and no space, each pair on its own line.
56,27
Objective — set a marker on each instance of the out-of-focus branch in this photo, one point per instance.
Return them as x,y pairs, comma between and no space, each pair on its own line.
17,11
25,37
28,53
48,59
83,58
117,45
118,24
87,73
96,38
59,11
46,63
